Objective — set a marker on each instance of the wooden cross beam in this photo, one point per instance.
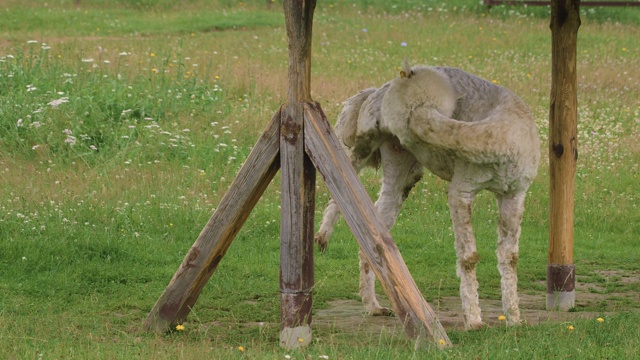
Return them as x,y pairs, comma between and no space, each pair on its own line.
298,140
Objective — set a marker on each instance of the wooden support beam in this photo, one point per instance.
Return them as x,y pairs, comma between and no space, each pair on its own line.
563,153
298,185
203,258
419,320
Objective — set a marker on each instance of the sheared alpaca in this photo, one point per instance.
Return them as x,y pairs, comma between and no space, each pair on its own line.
475,134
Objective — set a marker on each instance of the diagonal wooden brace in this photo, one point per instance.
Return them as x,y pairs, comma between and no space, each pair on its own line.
203,258
322,146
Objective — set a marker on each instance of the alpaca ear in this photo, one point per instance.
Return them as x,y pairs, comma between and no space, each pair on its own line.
406,71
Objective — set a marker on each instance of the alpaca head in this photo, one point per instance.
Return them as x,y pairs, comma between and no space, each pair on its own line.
418,86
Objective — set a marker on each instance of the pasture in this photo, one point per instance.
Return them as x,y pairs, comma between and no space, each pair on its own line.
122,124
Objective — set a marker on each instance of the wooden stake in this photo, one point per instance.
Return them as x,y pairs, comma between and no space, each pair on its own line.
563,153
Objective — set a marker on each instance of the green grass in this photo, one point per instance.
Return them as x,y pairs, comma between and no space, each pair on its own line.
103,194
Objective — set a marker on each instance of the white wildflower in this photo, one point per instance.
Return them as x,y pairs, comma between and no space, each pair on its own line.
71,140
56,103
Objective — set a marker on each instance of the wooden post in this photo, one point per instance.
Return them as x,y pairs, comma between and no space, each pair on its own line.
298,185
563,153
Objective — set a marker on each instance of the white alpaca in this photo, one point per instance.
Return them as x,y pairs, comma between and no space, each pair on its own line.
464,129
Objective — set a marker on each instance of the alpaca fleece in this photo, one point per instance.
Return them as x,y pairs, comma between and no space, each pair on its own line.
466,130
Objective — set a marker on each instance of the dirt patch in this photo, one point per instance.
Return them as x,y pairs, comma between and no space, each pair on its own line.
349,316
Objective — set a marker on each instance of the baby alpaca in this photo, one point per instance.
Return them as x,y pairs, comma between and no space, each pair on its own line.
475,134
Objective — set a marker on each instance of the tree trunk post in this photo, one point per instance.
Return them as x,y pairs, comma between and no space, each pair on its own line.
563,153
298,184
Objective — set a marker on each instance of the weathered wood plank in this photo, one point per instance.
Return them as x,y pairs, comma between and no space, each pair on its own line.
298,16
203,258
324,149
297,184
563,153
296,231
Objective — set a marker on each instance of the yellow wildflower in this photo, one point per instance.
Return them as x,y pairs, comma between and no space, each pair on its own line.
570,327
600,320
502,318
442,342
300,340
180,327
241,349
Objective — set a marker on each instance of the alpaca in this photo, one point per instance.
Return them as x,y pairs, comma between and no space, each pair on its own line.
468,131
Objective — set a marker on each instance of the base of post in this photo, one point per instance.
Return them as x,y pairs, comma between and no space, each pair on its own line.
561,284
561,300
293,338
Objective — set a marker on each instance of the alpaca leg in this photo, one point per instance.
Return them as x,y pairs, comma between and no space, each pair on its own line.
465,243
330,217
511,210
401,172
331,214
368,289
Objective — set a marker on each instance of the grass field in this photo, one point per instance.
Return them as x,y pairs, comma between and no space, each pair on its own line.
122,123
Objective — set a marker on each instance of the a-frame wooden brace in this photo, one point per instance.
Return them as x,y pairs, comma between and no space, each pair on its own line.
298,140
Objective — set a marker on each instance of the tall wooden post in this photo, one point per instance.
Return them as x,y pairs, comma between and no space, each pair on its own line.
298,184
563,153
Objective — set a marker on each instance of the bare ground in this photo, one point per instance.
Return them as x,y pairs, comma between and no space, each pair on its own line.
349,316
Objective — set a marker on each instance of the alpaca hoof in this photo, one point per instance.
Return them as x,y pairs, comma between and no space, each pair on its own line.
321,239
382,311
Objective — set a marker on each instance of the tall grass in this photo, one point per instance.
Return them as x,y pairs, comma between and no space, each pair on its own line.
123,123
